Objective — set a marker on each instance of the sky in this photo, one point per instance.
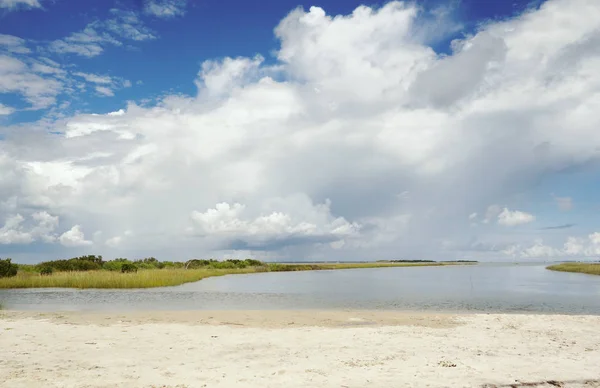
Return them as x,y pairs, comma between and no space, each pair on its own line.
333,130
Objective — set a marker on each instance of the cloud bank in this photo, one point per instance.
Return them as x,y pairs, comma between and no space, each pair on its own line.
359,142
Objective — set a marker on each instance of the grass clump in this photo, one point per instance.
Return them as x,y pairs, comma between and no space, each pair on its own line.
587,268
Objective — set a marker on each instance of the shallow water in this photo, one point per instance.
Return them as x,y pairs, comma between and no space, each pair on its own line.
483,287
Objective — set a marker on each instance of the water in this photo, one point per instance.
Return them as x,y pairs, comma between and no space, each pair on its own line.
484,288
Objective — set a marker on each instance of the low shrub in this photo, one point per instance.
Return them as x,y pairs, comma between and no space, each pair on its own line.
128,268
8,269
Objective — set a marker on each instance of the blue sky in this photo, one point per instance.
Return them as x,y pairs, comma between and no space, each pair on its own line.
335,129
207,30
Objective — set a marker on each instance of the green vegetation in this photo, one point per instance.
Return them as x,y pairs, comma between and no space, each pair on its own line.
587,268
93,272
44,271
7,269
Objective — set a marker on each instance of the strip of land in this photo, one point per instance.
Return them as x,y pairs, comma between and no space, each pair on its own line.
587,268
297,349
148,278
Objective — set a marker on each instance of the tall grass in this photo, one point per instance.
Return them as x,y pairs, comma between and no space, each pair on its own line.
588,268
148,278
110,279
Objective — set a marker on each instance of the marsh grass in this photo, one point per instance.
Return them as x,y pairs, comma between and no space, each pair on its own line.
587,268
111,279
149,278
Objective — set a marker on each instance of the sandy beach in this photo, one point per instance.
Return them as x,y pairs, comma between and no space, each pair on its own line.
339,349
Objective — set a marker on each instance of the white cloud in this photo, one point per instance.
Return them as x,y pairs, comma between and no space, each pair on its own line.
96,36
574,247
221,77
307,224
13,44
514,218
6,110
356,109
74,238
165,8
104,85
127,25
15,230
18,77
12,233
16,4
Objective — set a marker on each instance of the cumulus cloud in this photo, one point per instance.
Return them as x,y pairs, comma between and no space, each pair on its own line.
574,247
514,218
74,237
165,8
308,224
316,147
41,228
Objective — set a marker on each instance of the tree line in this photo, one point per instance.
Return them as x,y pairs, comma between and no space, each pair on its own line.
96,263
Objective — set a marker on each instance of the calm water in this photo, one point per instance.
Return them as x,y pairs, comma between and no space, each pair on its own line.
484,287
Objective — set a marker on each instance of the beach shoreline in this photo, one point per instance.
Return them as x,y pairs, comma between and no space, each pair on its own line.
296,349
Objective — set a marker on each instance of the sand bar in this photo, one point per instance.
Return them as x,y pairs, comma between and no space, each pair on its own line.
297,349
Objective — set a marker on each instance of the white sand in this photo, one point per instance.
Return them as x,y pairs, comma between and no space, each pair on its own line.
297,349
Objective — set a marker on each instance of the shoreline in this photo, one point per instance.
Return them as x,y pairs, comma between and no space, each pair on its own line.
297,349
168,277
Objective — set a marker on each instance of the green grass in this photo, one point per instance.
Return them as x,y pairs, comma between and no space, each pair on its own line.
587,268
169,276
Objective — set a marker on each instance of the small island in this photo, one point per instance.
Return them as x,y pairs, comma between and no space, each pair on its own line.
94,272
586,268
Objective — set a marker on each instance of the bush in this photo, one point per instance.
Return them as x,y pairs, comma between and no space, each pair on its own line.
7,269
149,263
83,263
112,265
46,271
222,265
254,263
128,268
